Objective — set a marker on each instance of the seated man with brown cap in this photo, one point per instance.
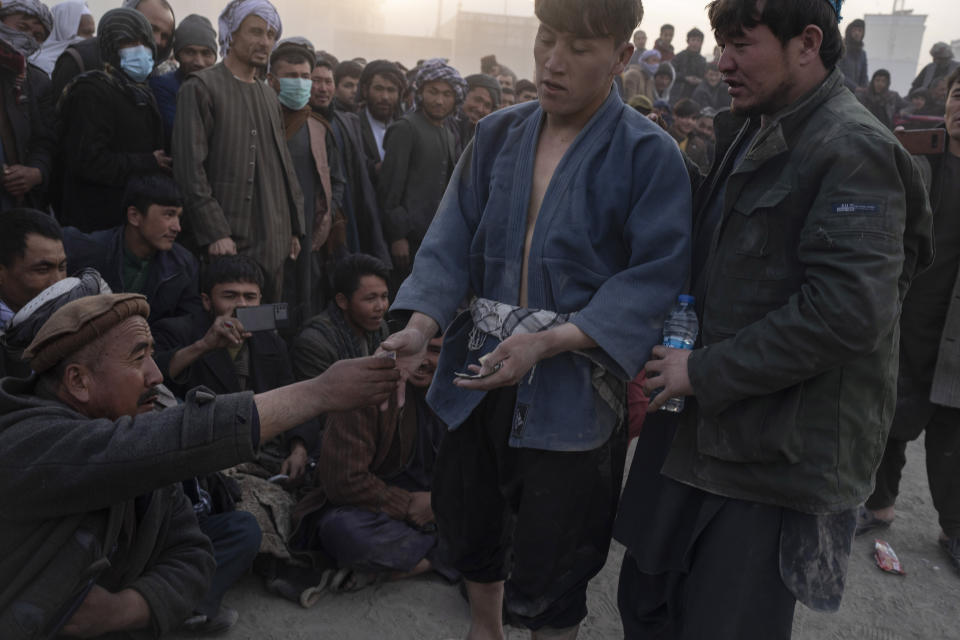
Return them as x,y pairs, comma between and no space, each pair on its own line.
100,537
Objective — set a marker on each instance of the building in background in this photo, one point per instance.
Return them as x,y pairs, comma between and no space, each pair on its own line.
893,42
475,35
407,50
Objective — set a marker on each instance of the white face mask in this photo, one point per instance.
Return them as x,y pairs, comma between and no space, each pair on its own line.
136,62
294,93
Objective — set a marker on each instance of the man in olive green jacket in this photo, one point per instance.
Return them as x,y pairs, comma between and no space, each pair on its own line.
807,235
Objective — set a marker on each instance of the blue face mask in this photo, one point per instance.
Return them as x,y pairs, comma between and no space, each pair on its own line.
136,62
294,92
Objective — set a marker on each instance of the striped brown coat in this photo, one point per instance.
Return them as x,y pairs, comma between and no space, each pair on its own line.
215,139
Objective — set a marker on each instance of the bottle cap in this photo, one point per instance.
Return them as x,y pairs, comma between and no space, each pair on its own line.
687,299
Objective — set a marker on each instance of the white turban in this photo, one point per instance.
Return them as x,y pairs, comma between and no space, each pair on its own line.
237,11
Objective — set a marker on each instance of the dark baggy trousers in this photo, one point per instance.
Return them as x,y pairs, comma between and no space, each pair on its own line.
236,539
943,465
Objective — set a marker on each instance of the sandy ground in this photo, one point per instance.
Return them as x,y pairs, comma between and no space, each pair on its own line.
877,606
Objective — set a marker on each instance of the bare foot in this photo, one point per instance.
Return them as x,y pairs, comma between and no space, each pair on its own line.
887,514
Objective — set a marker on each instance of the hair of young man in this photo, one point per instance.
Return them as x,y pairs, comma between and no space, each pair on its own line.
667,27
346,69
524,85
329,57
292,56
785,18
324,62
385,69
591,18
17,224
686,108
231,269
694,33
348,272
144,191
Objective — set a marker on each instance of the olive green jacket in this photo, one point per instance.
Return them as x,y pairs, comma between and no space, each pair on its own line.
824,224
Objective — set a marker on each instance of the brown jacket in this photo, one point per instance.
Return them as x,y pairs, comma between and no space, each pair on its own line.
360,450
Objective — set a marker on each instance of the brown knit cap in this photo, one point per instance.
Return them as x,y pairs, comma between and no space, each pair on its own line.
78,323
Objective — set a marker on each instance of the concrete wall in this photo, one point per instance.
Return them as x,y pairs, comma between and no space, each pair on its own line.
475,35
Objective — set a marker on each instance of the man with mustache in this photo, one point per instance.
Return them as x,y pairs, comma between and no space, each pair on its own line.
239,183
142,255
421,151
382,84
100,536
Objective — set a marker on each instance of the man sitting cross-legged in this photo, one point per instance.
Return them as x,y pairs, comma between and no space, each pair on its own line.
218,353
372,511
97,535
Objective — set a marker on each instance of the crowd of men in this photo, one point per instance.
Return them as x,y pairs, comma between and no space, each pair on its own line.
339,322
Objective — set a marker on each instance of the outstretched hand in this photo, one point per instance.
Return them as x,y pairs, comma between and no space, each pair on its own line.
410,348
360,382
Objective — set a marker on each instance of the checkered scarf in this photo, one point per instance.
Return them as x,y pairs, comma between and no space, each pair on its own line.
31,8
438,69
24,43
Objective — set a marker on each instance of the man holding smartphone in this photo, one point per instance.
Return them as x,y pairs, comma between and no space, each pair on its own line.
220,354
928,400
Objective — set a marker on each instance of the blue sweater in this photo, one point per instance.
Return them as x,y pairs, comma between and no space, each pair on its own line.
611,245
165,90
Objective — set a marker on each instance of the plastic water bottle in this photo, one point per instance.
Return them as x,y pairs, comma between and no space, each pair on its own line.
680,332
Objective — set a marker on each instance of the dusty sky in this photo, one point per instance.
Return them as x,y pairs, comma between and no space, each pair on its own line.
417,17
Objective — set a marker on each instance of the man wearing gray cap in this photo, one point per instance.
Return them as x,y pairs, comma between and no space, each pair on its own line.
942,66
99,535
194,48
